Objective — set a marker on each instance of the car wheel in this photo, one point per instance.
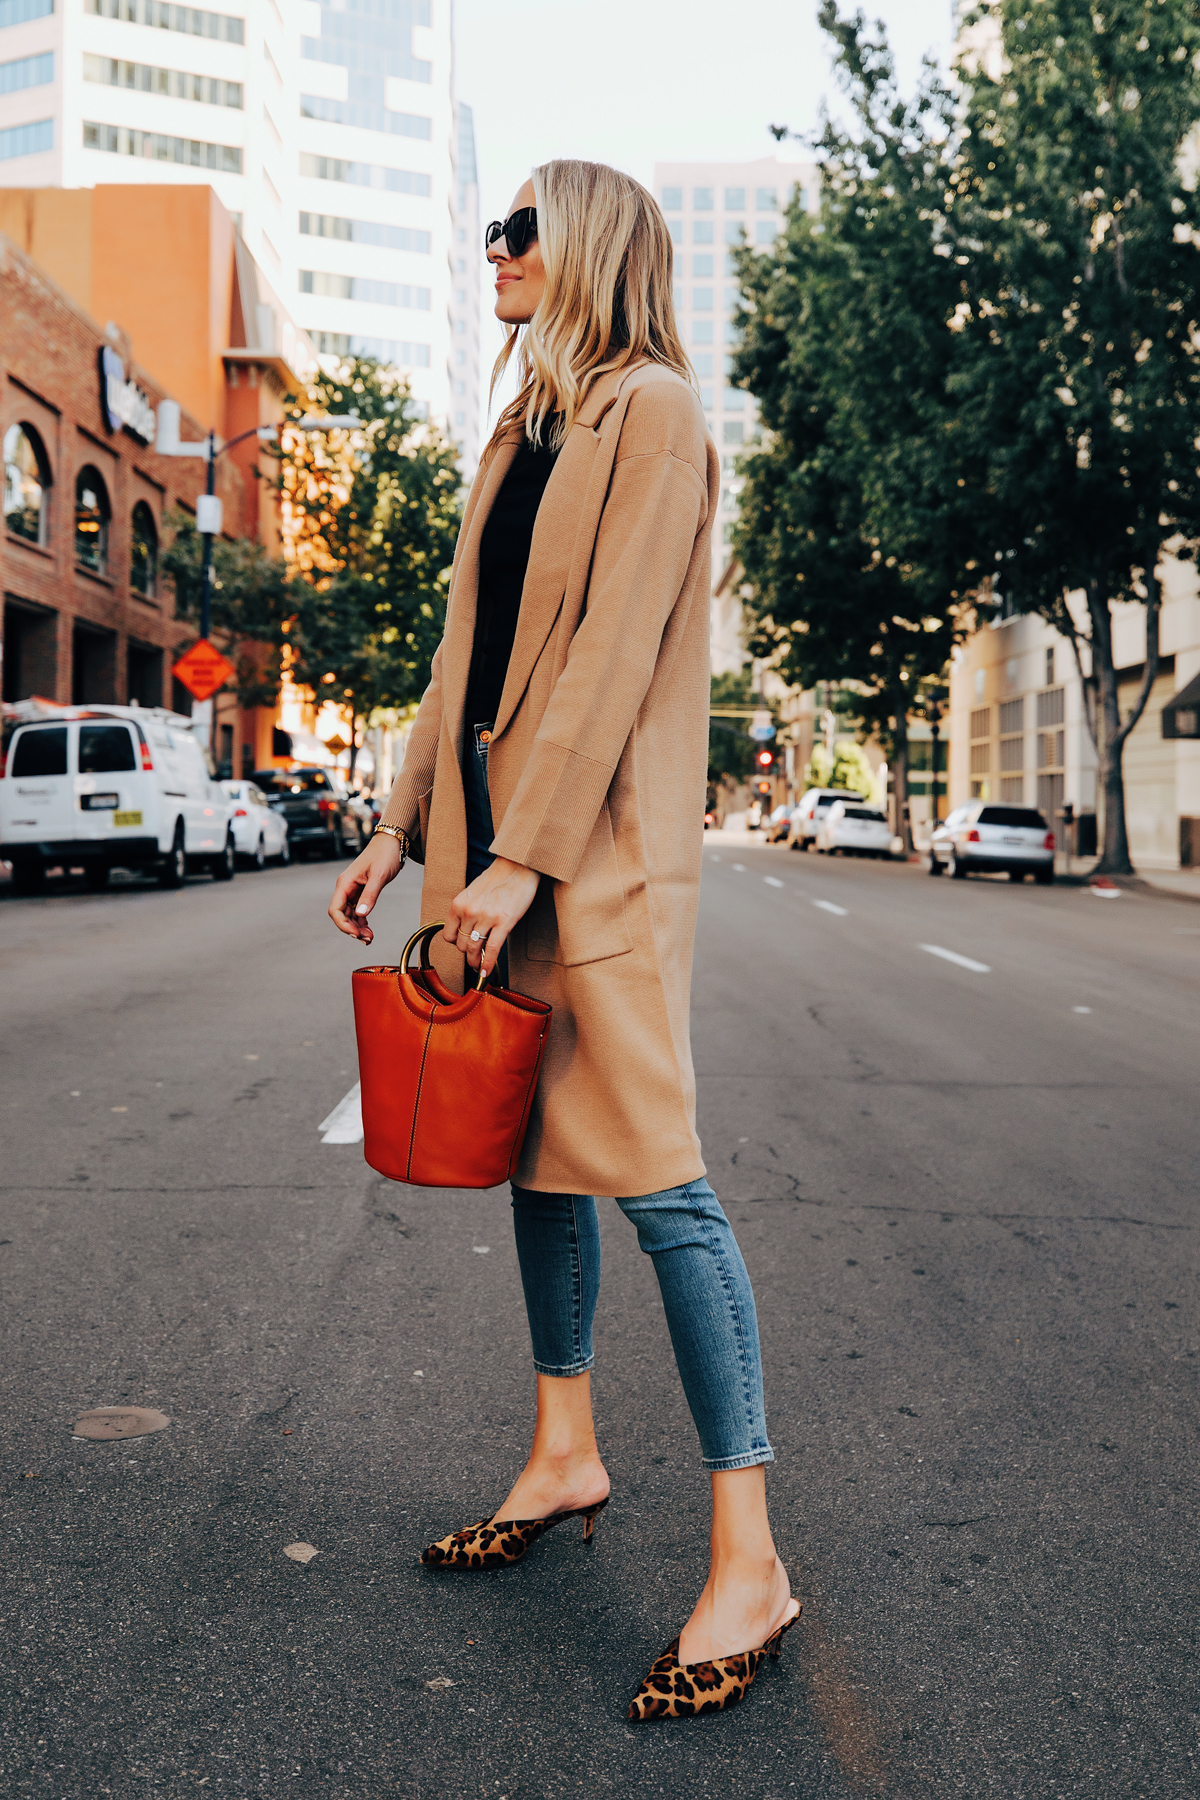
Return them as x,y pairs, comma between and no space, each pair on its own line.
260,854
954,867
29,875
224,866
172,871
1044,877
95,876
935,867
285,852
1017,875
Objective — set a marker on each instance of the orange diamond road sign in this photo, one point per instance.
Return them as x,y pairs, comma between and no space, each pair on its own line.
203,669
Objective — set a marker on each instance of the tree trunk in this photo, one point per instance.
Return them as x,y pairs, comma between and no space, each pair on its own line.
900,822
1112,730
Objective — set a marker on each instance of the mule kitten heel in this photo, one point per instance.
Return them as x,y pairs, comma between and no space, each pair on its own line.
675,1690
491,1546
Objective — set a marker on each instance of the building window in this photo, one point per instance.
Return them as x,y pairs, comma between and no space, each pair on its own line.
677,298
26,485
1051,706
672,199
702,231
1050,666
735,230
374,293
1012,787
675,227
981,759
156,146
27,72
176,84
143,569
702,199
702,299
165,17
460,418
370,175
981,722
702,331
735,431
367,231
703,364
20,12
393,352
730,298
365,117
92,514
765,231
702,265
734,400
706,397
26,140
735,201
766,200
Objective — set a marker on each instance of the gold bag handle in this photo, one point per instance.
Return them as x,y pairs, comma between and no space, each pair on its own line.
425,937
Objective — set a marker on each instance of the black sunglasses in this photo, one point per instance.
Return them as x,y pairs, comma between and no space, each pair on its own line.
518,232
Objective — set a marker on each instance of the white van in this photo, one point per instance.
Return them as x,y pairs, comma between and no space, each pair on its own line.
111,787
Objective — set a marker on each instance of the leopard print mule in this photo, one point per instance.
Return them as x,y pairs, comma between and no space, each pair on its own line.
675,1690
485,1546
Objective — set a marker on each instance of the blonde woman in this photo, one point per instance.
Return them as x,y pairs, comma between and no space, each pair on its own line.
554,787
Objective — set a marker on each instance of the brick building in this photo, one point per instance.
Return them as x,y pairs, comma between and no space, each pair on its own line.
86,617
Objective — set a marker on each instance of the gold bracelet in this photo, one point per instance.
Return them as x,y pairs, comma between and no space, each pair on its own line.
401,838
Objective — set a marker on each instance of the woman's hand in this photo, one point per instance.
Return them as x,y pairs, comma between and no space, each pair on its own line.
490,907
360,886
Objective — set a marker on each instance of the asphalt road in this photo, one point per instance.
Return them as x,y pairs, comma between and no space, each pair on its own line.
967,1200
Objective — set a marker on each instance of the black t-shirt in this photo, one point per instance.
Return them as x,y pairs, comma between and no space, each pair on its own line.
503,560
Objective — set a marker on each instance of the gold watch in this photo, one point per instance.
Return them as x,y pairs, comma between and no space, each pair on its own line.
401,838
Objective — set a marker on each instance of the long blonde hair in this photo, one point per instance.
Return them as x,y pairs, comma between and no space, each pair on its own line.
608,297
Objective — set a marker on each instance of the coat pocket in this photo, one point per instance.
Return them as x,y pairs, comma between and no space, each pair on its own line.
582,921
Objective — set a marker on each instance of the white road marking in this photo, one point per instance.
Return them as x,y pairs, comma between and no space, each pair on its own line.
740,867
839,912
964,962
713,857
772,881
1086,1009
344,1124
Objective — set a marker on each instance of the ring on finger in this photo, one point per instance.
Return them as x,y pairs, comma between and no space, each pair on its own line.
477,937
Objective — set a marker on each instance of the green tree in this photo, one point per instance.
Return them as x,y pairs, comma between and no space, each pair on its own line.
853,533
252,603
371,519
1076,221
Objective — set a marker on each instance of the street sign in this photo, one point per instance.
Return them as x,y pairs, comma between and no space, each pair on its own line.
203,669
335,745
761,727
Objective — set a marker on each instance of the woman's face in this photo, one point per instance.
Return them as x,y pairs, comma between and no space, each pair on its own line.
520,280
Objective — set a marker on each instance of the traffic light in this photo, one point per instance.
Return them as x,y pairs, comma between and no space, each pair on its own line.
765,758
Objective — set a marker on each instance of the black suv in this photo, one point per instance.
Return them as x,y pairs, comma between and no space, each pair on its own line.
317,810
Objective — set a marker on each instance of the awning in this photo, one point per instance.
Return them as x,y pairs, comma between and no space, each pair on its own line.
1181,714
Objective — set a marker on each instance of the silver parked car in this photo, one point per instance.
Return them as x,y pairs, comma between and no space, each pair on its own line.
984,838
802,832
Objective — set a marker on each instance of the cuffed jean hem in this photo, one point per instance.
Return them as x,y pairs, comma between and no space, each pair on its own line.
717,1465
563,1370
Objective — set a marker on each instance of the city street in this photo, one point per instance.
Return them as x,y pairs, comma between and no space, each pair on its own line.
954,1124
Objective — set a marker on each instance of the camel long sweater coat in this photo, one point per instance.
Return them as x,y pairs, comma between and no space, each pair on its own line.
597,769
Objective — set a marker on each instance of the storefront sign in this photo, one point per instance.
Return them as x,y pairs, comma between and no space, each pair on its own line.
122,403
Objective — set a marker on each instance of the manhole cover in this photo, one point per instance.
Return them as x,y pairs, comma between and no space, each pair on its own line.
120,1422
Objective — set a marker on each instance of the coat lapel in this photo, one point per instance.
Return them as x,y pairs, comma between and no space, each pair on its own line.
561,551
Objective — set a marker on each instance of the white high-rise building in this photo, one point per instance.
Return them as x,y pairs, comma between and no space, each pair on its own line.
330,131
711,207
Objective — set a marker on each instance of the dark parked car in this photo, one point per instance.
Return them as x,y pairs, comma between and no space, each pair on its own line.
317,809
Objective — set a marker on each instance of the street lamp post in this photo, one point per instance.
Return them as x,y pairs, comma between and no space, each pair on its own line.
208,507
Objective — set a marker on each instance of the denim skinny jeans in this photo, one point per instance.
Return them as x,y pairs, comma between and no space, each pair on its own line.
702,1277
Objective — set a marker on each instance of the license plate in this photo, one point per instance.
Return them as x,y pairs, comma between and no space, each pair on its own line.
127,818
1014,840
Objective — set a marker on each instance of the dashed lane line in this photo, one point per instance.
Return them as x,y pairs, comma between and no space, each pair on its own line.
952,956
839,912
772,881
344,1124
740,867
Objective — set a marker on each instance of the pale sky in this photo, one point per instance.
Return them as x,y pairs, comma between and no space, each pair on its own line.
632,82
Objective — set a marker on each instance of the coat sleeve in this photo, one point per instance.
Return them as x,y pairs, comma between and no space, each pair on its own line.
656,509
420,759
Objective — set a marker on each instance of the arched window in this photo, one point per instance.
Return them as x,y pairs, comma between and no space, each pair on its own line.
26,485
92,513
143,573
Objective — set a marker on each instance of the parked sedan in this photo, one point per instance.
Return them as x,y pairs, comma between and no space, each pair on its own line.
987,839
314,808
259,829
854,831
802,831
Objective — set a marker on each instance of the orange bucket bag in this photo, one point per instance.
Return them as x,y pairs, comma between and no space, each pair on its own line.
447,1079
